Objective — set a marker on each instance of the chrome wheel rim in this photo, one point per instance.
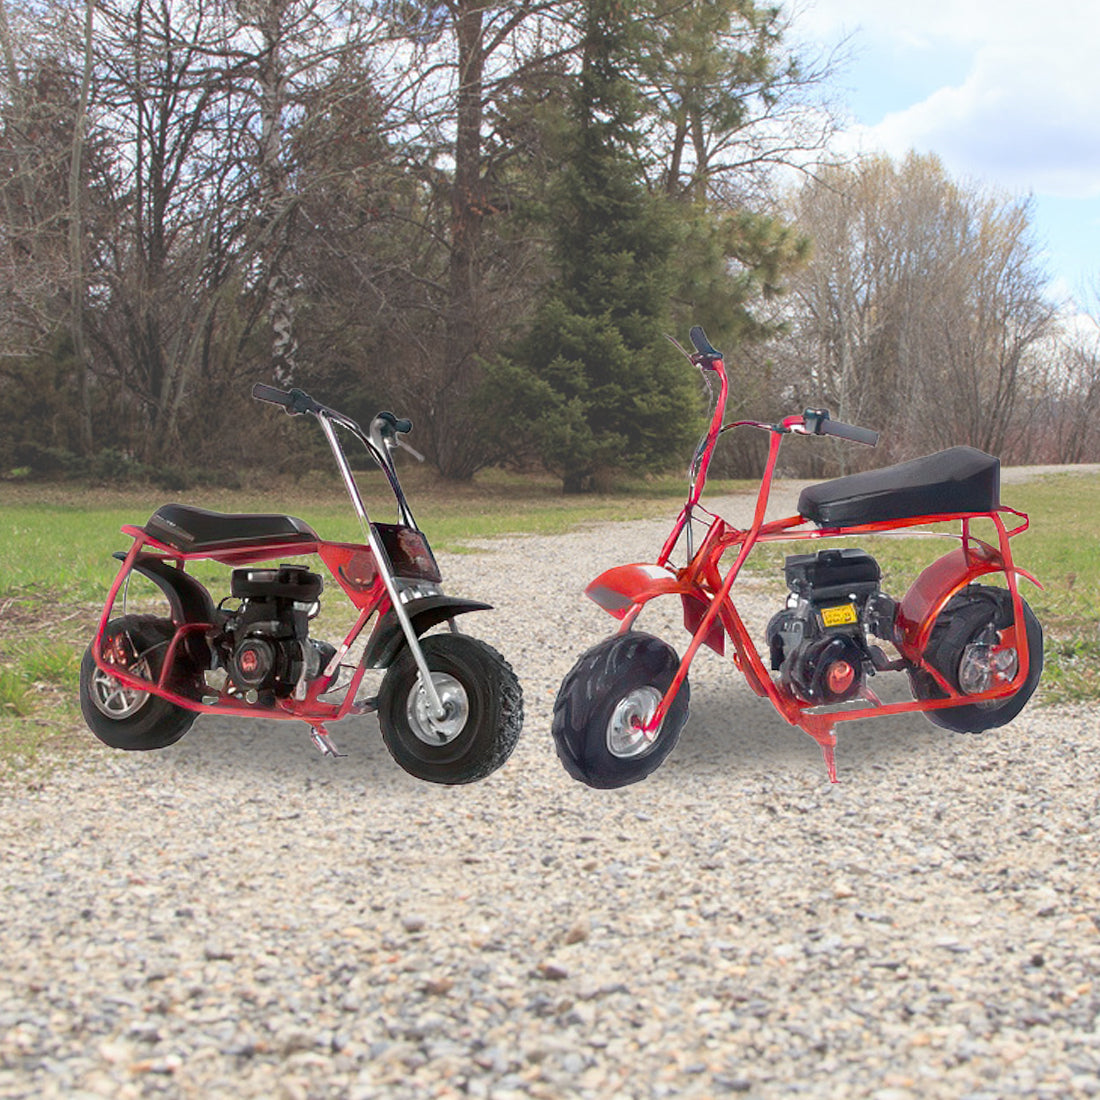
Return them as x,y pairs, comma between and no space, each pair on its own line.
626,737
114,699
456,705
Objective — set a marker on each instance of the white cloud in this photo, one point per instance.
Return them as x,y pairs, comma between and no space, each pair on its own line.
1025,115
948,21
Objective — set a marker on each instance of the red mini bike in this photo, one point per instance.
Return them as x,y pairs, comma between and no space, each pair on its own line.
973,653
449,706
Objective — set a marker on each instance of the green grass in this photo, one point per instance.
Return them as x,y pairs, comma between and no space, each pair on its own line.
16,693
57,538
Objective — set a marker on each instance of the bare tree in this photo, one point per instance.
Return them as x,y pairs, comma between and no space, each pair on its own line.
1067,399
923,309
474,62
77,282
729,101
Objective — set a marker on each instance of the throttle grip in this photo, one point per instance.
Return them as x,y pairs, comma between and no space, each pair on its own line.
403,425
850,432
701,344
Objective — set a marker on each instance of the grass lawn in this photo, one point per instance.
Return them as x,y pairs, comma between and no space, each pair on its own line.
56,543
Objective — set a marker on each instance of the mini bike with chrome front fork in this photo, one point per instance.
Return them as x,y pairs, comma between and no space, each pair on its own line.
449,706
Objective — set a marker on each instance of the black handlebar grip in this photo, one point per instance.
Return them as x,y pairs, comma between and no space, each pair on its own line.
849,431
702,345
271,395
294,401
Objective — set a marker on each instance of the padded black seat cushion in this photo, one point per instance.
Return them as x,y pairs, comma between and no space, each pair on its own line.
195,530
960,479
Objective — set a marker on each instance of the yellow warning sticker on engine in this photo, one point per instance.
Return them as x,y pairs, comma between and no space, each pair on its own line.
843,615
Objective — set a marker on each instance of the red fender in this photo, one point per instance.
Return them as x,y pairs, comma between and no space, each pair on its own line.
930,592
619,589
625,588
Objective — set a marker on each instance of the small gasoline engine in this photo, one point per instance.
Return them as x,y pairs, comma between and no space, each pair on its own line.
818,643
264,645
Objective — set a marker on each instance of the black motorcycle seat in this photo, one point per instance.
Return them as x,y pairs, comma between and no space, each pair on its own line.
960,479
195,530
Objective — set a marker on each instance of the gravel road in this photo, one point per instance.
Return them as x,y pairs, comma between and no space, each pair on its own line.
236,916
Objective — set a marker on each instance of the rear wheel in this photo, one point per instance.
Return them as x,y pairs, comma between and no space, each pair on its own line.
483,706
123,717
961,649
604,703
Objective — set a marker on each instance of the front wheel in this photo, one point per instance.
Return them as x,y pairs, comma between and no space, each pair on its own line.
961,649
604,703
128,718
483,703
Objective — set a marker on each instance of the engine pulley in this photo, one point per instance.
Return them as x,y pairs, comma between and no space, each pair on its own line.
253,664
826,670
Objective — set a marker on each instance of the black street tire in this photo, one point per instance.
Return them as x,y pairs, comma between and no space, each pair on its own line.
621,679
132,720
485,710
965,618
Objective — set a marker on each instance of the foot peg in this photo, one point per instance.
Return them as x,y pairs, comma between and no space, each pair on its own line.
320,738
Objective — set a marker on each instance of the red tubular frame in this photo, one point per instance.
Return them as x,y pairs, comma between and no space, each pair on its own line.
368,598
624,590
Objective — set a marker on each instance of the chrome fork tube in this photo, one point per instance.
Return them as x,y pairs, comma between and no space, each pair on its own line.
435,704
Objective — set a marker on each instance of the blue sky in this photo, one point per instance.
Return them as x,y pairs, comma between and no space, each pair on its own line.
1005,92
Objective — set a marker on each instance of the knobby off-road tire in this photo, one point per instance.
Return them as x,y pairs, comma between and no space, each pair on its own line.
134,721
609,692
963,621
484,703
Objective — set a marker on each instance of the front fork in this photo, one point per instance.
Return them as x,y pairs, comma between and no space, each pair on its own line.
436,709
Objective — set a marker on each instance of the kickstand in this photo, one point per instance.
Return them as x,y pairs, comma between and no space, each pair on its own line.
319,736
820,729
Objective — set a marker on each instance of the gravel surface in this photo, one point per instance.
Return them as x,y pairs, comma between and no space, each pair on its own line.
236,916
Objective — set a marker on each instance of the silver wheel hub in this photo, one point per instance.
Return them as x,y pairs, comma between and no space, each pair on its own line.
626,735
456,708
983,667
114,699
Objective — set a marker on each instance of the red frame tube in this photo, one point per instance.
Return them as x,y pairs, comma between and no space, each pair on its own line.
369,599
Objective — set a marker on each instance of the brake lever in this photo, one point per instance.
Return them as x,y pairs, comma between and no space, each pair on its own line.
397,441
680,348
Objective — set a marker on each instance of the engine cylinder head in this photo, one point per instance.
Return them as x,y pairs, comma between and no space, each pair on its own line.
287,582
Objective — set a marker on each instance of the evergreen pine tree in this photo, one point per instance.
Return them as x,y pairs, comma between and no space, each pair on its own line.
607,392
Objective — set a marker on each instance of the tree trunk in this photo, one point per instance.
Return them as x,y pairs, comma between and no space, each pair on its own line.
464,277
273,184
76,239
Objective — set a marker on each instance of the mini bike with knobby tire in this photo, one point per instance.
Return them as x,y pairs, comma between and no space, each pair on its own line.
972,650
449,706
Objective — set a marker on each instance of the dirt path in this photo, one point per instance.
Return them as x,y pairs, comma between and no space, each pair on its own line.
236,916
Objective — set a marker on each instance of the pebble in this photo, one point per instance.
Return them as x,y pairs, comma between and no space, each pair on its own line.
237,916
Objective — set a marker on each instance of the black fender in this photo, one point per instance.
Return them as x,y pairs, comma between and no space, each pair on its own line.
188,598
387,638
188,601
